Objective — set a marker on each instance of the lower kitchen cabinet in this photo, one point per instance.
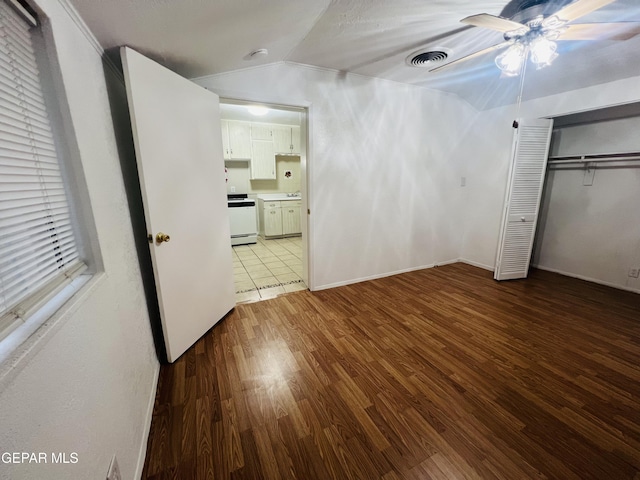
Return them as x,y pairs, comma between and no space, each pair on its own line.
279,218
290,219
272,221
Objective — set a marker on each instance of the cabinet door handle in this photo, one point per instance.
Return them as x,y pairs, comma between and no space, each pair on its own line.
272,213
290,211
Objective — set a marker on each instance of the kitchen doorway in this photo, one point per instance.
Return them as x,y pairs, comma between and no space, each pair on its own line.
265,152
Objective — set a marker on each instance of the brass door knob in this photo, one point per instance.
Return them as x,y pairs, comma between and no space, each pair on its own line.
162,237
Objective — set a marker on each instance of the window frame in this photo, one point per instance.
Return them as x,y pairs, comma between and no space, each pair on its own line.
46,309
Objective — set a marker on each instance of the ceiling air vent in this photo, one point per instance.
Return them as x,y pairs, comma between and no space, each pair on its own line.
427,59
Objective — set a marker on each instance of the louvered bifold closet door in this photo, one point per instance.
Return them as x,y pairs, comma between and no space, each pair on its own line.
531,149
37,246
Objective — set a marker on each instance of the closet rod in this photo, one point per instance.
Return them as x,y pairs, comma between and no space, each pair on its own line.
613,157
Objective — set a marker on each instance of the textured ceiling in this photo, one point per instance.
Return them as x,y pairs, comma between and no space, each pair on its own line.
368,37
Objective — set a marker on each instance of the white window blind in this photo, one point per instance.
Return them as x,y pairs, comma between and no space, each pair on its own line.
38,252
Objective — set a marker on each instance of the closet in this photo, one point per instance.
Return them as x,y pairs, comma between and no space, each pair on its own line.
589,222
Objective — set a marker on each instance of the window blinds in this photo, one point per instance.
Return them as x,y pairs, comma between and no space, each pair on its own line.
38,251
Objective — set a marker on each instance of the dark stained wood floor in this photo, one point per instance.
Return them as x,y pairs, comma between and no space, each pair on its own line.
435,374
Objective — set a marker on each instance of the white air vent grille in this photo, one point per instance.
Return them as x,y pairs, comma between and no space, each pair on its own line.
428,58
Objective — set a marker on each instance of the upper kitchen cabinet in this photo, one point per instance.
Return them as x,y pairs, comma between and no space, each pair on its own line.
263,160
295,140
286,139
261,131
236,140
281,139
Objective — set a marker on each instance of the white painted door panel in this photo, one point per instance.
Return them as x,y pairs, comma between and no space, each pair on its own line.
177,136
531,149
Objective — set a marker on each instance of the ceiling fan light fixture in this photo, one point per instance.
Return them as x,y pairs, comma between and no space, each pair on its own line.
510,61
543,52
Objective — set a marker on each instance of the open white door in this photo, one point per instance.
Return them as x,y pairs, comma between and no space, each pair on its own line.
530,152
176,131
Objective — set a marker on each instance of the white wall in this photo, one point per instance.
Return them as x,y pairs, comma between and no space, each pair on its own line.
593,232
487,153
87,384
487,168
384,183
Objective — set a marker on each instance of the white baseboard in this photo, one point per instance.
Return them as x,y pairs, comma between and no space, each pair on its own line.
375,277
491,268
588,279
405,270
147,423
446,262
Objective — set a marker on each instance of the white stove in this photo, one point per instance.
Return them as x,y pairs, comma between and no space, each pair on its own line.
242,219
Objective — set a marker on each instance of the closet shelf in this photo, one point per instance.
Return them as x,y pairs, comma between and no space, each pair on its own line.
595,158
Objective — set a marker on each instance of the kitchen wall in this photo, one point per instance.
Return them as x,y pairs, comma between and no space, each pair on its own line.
592,232
86,382
486,170
384,186
238,175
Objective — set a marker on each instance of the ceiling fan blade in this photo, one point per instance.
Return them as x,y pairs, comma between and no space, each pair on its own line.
492,22
473,55
609,31
578,9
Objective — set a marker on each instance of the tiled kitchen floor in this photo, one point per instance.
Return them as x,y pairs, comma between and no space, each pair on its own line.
267,268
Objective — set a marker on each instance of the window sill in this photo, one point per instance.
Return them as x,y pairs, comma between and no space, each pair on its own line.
26,340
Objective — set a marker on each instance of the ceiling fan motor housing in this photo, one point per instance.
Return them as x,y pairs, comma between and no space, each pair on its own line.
524,11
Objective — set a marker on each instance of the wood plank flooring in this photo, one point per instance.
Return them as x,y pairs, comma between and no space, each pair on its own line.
435,374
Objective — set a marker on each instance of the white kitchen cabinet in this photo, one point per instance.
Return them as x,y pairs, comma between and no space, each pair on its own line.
273,221
286,139
263,160
226,149
295,140
261,131
279,218
290,218
281,139
236,140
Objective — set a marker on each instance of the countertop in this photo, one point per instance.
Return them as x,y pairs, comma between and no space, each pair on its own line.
280,197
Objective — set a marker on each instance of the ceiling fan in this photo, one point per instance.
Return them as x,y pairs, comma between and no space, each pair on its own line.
534,31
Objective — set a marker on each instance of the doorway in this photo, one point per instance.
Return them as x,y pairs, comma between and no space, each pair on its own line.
265,153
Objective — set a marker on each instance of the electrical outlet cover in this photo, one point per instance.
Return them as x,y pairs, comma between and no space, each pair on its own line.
114,470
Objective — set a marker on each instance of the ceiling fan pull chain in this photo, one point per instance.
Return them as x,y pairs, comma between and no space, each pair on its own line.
523,72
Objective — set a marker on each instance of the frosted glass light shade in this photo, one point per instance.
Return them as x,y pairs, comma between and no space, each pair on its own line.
510,61
543,52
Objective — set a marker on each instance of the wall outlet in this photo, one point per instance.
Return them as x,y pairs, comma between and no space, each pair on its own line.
634,272
233,189
114,470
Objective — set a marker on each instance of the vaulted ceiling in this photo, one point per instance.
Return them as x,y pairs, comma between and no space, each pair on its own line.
369,37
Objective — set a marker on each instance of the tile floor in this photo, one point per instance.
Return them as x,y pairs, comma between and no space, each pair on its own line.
267,269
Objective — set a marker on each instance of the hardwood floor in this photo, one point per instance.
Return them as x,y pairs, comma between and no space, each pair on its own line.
435,374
